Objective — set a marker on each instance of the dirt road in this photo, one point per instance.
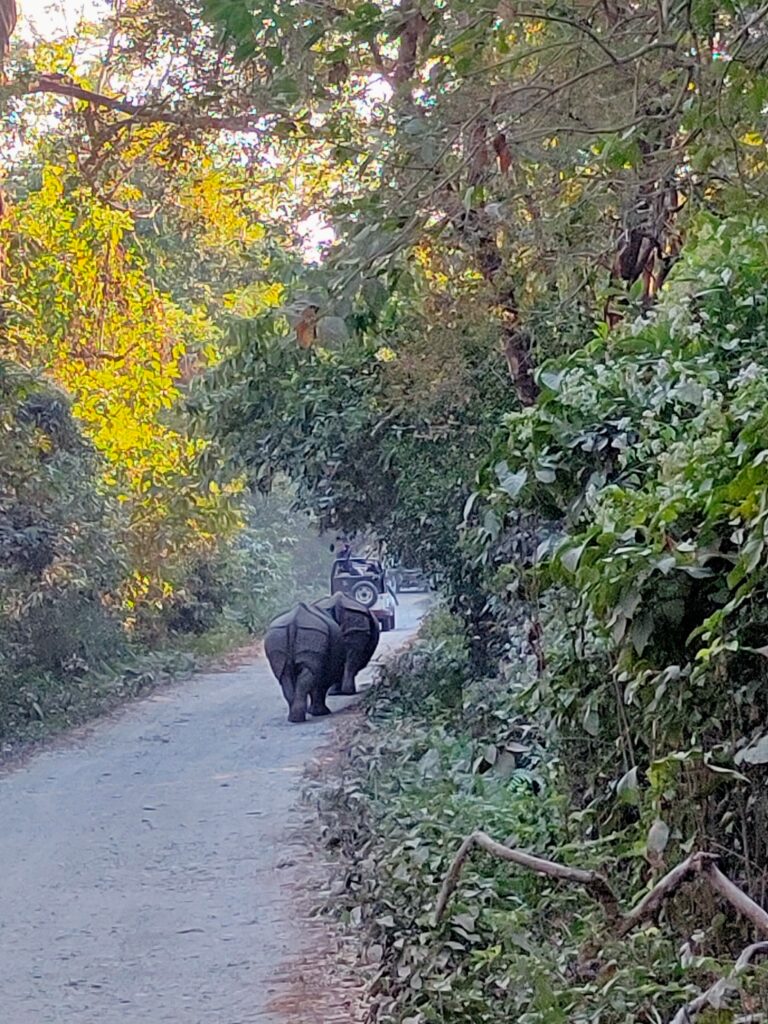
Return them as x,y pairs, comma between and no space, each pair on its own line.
142,864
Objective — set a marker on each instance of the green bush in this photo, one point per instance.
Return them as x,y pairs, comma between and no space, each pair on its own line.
58,558
649,446
626,727
431,673
417,779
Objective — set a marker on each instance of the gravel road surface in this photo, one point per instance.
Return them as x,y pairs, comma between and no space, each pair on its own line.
143,862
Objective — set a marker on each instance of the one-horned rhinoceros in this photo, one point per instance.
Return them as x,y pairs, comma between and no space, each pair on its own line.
306,652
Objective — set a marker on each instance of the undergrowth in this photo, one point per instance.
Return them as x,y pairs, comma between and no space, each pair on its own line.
423,771
37,705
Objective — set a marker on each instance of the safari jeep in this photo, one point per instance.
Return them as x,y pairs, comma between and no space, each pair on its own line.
367,585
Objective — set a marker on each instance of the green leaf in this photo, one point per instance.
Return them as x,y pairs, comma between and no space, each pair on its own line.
628,787
636,291
545,474
591,721
658,837
551,380
690,392
755,753
375,294
469,504
640,633
511,483
570,558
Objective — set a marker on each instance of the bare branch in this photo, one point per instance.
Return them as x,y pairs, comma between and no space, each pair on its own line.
146,112
577,24
591,879
753,22
738,899
710,998
412,31
701,864
8,14
651,903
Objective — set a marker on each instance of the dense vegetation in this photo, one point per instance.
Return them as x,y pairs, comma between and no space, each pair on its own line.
532,356
119,264
74,634
423,772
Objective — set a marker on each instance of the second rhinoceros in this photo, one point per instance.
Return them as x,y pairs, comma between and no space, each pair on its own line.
360,632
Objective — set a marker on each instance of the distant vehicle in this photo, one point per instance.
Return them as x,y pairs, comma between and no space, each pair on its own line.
366,583
409,579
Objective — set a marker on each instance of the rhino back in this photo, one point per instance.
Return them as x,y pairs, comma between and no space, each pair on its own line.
315,631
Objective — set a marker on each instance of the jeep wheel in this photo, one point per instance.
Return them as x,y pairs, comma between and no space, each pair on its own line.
365,593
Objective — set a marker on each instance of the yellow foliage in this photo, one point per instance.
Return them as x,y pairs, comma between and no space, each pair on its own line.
752,139
215,201
83,310
573,190
256,298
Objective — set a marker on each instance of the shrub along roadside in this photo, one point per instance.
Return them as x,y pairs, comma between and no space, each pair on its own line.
68,649
513,946
35,709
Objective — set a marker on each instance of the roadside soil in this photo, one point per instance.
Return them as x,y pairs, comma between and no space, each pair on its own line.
157,865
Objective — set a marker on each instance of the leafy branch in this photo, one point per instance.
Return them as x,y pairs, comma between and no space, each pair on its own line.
717,993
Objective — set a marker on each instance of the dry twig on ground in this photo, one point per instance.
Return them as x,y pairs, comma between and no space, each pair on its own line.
590,879
718,994
699,864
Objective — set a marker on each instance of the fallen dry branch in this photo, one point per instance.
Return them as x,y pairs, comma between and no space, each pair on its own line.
703,864
651,903
698,864
717,995
590,879
738,899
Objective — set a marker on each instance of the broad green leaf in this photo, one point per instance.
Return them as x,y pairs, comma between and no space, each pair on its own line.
511,483
628,787
755,753
570,558
658,837
591,722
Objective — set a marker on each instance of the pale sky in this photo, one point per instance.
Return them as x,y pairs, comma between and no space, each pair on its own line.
51,18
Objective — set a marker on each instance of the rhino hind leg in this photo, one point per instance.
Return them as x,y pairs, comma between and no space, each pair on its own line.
322,684
348,688
317,705
345,687
338,688
288,685
304,681
337,679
